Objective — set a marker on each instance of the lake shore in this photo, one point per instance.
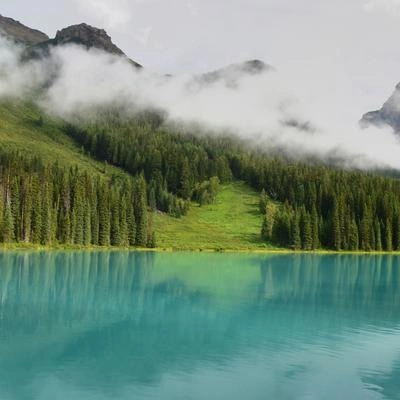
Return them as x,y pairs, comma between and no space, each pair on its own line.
59,247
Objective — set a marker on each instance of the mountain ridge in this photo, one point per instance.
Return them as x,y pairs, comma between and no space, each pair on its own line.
233,72
388,114
20,33
83,35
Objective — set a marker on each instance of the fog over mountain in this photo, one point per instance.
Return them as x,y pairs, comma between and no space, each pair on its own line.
20,33
81,69
387,115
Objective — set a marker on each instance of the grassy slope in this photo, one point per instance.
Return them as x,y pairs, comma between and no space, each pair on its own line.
20,130
232,223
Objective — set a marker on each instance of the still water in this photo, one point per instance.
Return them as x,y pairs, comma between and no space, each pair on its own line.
126,325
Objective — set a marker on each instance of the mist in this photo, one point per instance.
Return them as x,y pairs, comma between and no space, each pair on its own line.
272,110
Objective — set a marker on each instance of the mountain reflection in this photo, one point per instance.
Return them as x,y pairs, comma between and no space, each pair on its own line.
109,321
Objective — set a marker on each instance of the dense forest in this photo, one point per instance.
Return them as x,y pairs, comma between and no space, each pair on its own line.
305,205
320,206
329,208
47,204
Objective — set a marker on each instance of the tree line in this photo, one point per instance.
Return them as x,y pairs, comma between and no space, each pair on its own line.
176,165
48,204
329,208
308,205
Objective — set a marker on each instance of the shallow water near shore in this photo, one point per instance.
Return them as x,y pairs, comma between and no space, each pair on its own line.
142,325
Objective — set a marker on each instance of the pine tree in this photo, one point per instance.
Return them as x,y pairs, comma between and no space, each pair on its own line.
388,236
94,212
295,232
305,229
263,202
131,222
314,229
152,199
123,221
115,222
16,208
353,236
47,228
8,225
87,223
78,213
104,215
264,234
366,229
141,212
268,224
378,239
153,241
185,179
64,219
336,231
397,222
36,211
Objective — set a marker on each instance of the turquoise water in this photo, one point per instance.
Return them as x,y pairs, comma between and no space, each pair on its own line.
125,325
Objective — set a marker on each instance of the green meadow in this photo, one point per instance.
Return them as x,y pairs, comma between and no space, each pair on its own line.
233,222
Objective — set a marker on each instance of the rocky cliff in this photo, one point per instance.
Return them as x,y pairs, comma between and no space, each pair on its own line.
389,114
82,35
20,33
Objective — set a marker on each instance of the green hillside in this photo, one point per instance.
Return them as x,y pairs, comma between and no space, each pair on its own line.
23,127
145,165
232,222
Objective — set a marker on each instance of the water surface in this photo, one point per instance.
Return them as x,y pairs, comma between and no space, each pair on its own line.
126,325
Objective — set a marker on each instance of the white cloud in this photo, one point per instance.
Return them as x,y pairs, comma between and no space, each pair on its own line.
193,7
254,109
143,36
391,7
109,13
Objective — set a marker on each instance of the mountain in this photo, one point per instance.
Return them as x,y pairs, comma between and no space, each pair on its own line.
39,44
115,179
20,33
83,35
231,74
389,114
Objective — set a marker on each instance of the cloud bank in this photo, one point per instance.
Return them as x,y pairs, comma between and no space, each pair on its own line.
110,13
271,110
391,7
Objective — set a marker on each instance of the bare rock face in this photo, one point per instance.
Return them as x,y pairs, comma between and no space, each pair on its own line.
87,36
82,35
389,114
20,33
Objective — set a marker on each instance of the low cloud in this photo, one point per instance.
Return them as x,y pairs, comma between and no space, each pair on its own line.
268,109
391,7
109,13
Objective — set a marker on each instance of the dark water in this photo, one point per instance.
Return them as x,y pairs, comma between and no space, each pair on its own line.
198,326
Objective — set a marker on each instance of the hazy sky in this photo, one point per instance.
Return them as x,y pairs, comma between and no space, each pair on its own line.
346,48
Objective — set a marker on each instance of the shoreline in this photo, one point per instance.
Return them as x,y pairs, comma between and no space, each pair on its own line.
25,247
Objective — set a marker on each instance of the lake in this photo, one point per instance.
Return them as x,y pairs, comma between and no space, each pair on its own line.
132,325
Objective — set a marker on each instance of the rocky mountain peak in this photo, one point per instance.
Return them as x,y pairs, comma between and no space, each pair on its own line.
82,35
87,36
20,33
231,74
388,114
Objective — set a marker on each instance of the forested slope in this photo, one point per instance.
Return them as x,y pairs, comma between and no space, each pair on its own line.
52,192
322,206
107,179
